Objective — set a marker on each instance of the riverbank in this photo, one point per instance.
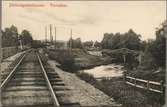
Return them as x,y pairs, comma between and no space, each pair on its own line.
115,88
122,93
77,59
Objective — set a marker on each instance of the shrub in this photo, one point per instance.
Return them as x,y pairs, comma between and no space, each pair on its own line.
64,58
87,77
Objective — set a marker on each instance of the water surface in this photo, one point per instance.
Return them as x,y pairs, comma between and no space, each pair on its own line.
110,70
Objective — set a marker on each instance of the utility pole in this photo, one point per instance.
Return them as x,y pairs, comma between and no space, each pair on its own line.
71,40
51,38
1,56
46,34
55,37
0,49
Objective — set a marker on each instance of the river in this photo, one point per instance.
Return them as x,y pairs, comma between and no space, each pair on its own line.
110,70
96,53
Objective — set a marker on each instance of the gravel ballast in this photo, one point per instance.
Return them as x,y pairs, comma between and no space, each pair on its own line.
83,92
6,62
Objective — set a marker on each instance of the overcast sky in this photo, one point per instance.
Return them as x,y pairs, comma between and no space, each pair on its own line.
89,20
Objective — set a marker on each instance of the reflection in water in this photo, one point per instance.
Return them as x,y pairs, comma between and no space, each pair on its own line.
96,53
110,70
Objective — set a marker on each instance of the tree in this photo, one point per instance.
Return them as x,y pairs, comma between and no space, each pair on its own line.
143,45
97,44
155,50
116,41
107,40
10,37
158,46
88,44
132,40
26,37
129,40
75,43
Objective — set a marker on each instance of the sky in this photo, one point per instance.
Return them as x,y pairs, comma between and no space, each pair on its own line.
88,20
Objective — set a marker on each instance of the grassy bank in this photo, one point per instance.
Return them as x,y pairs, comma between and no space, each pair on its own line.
148,74
122,93
116,88
76,59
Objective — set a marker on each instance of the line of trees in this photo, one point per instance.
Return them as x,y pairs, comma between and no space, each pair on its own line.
129,40
11,37
153,50
123,48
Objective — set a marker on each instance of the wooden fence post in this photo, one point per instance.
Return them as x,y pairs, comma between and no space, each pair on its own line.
135,81
125,77
162,87
148,82
162,98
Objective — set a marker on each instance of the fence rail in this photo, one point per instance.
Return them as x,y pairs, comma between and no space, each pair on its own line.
9,51
153,86
158,87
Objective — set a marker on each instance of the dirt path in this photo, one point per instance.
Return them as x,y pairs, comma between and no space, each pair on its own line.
83,92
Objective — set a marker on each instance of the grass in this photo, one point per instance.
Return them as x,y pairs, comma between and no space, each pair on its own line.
122,93
75,60
87,77
65,58
115,88
149,74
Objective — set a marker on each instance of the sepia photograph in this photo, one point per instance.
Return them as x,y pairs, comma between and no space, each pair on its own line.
83,53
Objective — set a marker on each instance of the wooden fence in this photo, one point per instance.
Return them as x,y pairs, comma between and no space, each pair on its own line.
158,87
9,51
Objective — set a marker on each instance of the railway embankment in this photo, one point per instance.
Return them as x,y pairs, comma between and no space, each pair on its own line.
31,82
7,61
83,92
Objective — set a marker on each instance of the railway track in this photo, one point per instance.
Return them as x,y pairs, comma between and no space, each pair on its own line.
31,83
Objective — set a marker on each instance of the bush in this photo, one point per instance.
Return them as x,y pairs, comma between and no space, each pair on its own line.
117,55
86,77
64,58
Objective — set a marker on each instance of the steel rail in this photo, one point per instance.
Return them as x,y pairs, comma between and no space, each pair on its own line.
55,101
7,79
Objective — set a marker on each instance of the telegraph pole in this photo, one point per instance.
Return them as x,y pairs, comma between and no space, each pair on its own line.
55,37
1,56
51,38
0,48
71,40
46,34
